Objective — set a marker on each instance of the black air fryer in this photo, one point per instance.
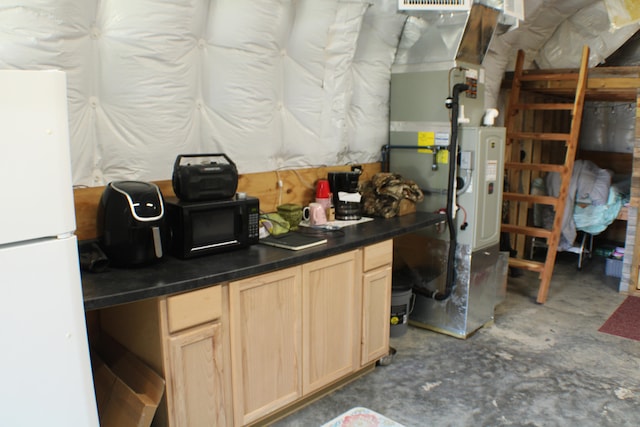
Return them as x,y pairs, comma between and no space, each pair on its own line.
131,223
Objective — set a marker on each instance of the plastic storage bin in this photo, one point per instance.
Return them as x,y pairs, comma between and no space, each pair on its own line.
613,267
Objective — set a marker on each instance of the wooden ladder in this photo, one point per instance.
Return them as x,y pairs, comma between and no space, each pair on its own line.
536,123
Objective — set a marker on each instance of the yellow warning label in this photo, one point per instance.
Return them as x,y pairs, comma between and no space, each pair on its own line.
442,157
426,139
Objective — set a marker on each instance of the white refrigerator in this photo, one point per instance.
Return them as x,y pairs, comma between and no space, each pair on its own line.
45,368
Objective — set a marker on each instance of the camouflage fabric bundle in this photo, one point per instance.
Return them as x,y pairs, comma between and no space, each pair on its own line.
382,195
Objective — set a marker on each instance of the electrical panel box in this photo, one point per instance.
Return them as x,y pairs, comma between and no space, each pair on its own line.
481,202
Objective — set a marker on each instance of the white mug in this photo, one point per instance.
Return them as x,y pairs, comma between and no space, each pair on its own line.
315,214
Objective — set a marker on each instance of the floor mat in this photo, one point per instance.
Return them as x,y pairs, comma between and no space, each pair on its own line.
625,321
361,417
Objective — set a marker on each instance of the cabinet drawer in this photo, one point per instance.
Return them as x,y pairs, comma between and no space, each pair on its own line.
194,308
377,255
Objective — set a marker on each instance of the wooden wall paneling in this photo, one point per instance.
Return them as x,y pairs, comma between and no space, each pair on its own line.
631,259
523,185
513,178
634,282
538,155
507,207
635,174
620,163
508,149
298,186
512,153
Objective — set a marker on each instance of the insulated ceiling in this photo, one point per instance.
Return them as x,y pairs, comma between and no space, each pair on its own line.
274,84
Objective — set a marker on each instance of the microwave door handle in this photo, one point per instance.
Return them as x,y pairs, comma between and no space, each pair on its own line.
238,225
157,241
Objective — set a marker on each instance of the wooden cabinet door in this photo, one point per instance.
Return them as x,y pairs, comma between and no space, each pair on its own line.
376,310
331,302
265,343
196,391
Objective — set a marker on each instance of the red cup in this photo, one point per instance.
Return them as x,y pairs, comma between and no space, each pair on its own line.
322,189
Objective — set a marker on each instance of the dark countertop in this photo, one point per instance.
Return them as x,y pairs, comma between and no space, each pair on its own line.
171,275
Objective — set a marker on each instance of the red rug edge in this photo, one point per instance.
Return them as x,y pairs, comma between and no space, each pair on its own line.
625,320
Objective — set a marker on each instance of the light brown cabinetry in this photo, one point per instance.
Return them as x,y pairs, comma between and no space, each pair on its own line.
242,352
183,337
376,301
265,343
297,331
195,365
331,299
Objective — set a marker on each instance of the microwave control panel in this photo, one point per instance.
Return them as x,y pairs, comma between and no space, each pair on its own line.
254,223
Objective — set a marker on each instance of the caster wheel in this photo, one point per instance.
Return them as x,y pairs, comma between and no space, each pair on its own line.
386,360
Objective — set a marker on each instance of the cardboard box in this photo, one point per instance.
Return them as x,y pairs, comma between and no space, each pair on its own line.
127,390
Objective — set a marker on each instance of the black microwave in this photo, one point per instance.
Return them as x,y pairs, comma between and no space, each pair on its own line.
208,227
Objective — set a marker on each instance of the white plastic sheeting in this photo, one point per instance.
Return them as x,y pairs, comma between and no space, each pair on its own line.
542,17
608,126
552,36
623,12
590,26
274,84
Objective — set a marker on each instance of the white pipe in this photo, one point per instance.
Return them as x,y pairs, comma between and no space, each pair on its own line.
489,118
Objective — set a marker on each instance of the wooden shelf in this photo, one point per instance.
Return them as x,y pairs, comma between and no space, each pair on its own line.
611,84
623,215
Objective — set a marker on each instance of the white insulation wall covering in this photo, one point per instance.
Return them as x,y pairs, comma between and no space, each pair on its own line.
590,26
552,36
272,84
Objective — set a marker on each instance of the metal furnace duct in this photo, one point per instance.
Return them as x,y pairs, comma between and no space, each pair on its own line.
435,36
480,279
480,285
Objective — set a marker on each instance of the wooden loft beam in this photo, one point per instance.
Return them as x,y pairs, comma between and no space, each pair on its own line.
612,84
614,89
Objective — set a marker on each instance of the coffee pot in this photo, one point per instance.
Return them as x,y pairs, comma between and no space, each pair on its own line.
345,195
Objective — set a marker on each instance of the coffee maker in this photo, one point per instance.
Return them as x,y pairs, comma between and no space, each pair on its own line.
345,195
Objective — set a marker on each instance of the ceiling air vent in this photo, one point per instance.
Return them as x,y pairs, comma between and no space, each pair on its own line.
434,4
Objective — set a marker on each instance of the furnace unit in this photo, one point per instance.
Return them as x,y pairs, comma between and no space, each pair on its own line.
456,156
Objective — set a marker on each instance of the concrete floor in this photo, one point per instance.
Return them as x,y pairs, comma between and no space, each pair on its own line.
537,365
